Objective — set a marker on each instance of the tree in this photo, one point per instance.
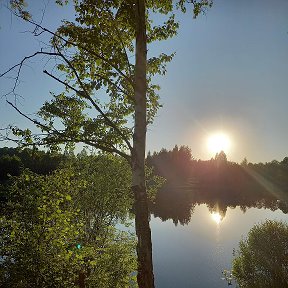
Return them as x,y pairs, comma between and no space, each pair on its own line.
9,165
262,258
174,165
221,158
46,242
94,52
244,162
285,161
104,197
13,160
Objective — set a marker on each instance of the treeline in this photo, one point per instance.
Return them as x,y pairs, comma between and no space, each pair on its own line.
178,165
274,171
174,165
14,160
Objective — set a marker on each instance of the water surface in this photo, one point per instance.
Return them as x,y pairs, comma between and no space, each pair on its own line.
195,254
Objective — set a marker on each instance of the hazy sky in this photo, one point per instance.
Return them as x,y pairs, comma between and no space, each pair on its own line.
230,74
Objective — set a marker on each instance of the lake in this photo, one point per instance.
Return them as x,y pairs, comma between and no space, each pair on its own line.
194,253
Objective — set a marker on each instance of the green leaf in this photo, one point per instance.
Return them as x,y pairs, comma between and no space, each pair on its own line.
68,198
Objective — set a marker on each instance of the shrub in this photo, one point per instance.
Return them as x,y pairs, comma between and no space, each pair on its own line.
262,258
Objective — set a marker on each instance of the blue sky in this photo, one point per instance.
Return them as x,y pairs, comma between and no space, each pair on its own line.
230,74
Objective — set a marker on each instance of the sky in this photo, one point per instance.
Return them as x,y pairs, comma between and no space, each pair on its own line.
230,74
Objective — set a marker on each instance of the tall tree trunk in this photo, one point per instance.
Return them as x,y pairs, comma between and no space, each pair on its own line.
145,275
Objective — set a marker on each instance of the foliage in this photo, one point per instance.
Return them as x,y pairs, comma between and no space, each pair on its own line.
173,165
115,194
153,183
103,33
262,258
105,195
274,171
9,165
95,54
13,160
221,158
244,162
40,228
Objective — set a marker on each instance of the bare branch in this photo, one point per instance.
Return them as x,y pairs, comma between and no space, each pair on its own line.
20,65
45,142
62,82
26,58
34,121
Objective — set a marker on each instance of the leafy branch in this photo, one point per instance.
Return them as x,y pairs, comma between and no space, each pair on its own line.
62,136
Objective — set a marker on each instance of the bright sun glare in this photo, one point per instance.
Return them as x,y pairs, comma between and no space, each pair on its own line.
216,217
218,142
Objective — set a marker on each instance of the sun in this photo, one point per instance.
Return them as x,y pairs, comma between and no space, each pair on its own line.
218,142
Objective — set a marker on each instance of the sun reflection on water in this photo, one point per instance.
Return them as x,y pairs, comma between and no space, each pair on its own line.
216,217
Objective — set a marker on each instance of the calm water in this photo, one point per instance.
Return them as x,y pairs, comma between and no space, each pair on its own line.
194,255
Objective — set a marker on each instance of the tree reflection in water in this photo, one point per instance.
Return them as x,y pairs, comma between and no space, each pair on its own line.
177,202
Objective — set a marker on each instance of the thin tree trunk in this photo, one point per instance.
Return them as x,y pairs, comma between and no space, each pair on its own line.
81,279
145,275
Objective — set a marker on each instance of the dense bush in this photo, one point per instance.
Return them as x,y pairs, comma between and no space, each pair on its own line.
262,258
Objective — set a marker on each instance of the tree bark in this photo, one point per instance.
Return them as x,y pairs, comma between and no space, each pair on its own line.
145,275
81,279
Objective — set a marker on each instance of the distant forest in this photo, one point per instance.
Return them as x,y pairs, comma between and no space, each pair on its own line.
177,166
14,160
